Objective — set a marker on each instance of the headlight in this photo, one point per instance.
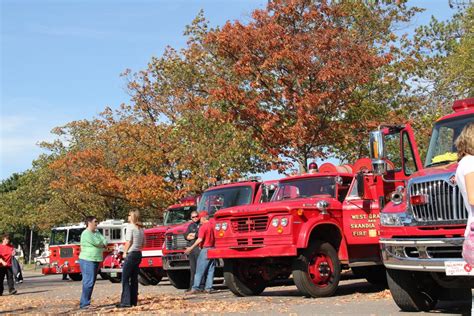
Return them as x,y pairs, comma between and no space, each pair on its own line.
218,226
224,226
275,222
284,221
394,219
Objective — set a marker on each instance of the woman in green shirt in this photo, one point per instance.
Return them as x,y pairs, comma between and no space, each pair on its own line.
92,248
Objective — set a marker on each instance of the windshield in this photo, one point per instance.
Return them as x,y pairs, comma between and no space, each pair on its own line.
442,149
214,200
302,188
178,215
58,237
75,236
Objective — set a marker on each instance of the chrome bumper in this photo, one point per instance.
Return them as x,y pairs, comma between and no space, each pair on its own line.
418,254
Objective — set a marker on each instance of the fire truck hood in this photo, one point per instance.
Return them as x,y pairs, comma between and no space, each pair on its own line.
179,229
448,168
284,206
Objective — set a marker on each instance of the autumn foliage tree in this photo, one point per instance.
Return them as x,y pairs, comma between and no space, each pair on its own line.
291,74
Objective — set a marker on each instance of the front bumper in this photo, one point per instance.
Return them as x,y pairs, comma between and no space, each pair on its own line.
252,252
111,270
176,261
420,254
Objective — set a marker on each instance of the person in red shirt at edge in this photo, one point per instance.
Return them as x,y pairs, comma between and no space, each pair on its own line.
206,241
6,253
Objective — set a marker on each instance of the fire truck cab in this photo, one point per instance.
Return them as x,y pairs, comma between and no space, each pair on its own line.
223,195
64,247
315,225
151,266
422,227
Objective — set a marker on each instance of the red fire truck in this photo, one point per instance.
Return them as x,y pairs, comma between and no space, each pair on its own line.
423,226
316,225
64,246
151,266
225,194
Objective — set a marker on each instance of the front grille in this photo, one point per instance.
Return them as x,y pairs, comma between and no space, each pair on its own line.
154,240
65,253
445,203
249,224
175,242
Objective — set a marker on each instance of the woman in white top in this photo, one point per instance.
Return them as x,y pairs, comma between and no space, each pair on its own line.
134,240
465,170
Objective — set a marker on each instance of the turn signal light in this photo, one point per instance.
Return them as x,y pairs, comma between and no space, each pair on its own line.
300,212
280,230
221,233
419,199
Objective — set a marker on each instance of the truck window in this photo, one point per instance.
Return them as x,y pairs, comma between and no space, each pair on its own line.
116,234
178,215
58,237
392,151
74,236
409,165
214,200
442,149
308,187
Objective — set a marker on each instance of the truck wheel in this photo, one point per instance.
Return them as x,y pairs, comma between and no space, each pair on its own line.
75,276
146,280
179,278
238,279
375,275
317,270
412,291
104,276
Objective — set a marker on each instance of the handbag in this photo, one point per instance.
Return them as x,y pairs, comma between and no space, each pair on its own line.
468,247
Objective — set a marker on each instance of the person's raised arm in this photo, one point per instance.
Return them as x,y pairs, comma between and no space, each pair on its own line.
469,179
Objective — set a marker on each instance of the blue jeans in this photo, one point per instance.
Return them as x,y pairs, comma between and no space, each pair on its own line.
89,271
130,279
204,265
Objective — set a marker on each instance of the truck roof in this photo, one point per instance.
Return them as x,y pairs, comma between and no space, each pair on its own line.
316,175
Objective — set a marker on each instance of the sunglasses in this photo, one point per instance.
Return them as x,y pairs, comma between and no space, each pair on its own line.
194,217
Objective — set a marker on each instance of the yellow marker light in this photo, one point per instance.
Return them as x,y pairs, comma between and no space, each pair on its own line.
221,234
300,212
280,229
376,150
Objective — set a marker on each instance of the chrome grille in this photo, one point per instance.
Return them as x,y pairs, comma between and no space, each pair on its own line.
154,240
175,242
65,252
445,202
248,224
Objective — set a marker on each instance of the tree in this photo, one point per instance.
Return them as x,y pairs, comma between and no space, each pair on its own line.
297,73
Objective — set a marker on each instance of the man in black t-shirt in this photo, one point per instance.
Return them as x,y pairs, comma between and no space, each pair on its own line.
191,235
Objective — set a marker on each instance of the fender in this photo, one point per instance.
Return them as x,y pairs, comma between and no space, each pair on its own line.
312,224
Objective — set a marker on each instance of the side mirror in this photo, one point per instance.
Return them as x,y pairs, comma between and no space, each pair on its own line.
377,153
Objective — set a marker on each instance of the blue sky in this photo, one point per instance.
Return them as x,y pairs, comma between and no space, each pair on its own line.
61,60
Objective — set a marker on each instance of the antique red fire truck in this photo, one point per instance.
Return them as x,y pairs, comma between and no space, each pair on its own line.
316,225
225,194
151,266
64,246
422,227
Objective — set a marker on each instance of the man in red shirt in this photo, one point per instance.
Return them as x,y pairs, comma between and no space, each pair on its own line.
6,253
206,241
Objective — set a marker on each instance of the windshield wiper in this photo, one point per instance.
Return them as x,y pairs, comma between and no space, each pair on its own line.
438,163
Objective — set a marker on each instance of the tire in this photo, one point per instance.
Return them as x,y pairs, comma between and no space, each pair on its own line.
317,270
75,276
375,275
179,278
238,279
412,291
149,277
104,276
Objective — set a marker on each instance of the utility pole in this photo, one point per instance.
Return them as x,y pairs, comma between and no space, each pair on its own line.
31,243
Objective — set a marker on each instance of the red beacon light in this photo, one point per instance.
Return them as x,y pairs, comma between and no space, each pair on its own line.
420,199
463,105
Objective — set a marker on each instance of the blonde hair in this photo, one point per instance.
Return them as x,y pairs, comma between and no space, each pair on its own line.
465,141
135,218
